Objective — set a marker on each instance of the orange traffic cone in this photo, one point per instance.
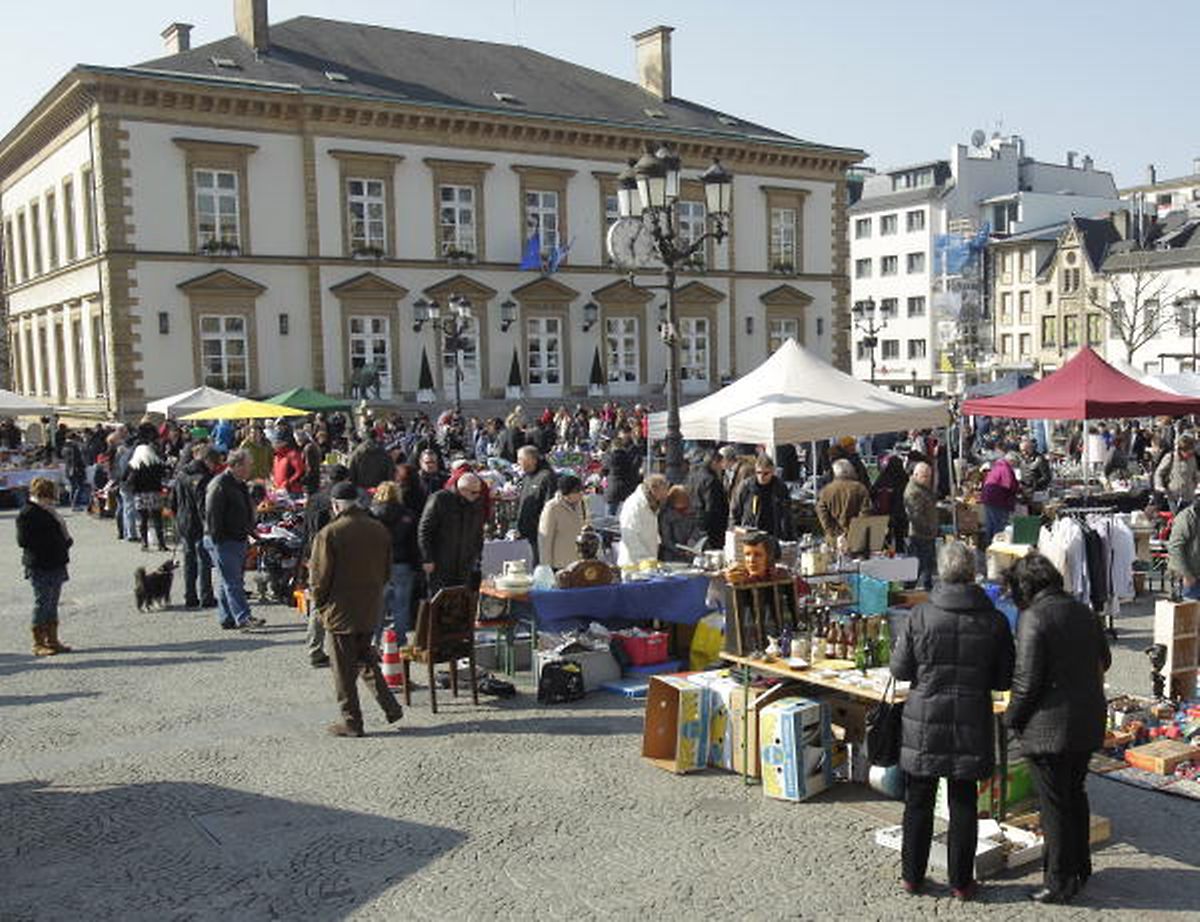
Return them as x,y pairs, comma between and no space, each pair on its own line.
389,660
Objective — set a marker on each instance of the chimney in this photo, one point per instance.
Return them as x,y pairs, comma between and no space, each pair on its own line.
653,49
1196,165
250,17
1070,159
177,37
1120,221
1087,161
1151,175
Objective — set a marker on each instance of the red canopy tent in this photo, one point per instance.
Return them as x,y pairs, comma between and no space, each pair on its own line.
1086,387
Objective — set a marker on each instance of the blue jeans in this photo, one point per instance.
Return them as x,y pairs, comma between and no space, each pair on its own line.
81,495
196,567
230,557
397,599
128,513
47,589
995,520
1193,591
925,550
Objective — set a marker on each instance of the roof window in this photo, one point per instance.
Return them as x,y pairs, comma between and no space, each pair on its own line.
225,63
336,76
655,113
727,120
508,98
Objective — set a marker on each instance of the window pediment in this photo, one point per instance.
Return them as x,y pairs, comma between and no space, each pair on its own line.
369,285
785,296
621,292
545,289
222,281
461,285
698,293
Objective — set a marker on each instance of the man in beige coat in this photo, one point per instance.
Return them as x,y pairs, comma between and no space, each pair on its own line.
561,521
841,500
350,566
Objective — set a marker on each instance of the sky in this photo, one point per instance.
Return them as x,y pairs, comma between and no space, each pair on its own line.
903,80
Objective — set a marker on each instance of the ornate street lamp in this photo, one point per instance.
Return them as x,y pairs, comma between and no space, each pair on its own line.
864,319
591,313
508,314
647,231
1187,313
453,325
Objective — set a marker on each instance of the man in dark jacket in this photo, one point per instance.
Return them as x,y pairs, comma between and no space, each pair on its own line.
370,464
1058,710
710,505
763,503
623,467
228,524
1034,468
537,486
432,475
920,507
955,649
351,564
450,534
187,503
317,513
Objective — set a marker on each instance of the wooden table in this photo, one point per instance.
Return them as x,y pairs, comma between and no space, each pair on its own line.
810,676
506,627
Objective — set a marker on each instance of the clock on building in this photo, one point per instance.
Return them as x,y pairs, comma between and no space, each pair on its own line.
630,244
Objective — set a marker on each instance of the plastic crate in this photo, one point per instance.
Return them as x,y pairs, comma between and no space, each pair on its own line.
647,649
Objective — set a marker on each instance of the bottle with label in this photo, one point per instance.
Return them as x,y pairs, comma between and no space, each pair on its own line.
830,639
841,638
883,646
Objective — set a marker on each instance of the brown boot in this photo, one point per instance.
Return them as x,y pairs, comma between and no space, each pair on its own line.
52,638
40,646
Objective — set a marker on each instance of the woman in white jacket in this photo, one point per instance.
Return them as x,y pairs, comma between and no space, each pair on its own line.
639,521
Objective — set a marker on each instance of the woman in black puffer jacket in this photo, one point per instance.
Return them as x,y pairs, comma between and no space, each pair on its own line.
955,649
146,476
390,508
1058,711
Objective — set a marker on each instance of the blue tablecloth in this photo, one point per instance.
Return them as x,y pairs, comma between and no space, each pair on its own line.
677,599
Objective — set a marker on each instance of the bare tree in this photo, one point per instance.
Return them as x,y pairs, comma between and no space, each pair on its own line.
1137,301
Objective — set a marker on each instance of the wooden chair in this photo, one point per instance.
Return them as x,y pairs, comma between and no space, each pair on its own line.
445,634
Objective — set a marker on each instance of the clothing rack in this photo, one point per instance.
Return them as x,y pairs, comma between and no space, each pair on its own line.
1074,511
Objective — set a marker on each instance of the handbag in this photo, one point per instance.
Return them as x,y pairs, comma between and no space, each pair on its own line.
883,728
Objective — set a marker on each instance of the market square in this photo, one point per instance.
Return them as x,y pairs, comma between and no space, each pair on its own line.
467,463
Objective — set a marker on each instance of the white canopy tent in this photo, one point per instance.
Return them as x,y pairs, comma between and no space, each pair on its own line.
190,401
1183,383
796,397
13,404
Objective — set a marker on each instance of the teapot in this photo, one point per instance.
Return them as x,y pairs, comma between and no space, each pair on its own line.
515,569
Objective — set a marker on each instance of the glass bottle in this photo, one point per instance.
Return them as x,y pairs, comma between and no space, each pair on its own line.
883,646
831,635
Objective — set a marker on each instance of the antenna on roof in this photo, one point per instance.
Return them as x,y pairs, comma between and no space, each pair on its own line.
516,25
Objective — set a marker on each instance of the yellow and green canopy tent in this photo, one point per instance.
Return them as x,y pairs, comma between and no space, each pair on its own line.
245,409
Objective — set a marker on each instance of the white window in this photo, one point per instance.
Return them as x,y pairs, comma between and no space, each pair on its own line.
783,239
622,336
89,212
543,351
889,307
890,348
780,330
217,208
1006,300
862,351
366,200
914,221
693,349
612,211
541,218
887,225
371,342
1026,345
224,349
68,194
1006,345
889,265
916,348
457,220
862,228
35,237
916,263
1026,306
916,306
862,268
52,230
690,217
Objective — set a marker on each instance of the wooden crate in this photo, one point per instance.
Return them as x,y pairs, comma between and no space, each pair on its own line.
1177,627
1161,756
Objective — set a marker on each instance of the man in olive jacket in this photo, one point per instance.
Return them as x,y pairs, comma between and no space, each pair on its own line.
351,565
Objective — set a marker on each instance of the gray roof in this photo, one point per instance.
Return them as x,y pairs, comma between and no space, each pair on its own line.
1049,232
897,199
397,65
1191,179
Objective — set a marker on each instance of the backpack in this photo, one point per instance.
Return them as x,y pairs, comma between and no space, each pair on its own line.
561,681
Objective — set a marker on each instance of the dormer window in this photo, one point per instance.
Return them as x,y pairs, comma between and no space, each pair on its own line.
336,76
655,113
225,63
506,98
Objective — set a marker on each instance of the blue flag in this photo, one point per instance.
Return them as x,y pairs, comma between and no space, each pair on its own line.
556,256
531,258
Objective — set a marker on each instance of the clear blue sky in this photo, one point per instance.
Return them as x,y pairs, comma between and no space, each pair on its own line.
902,80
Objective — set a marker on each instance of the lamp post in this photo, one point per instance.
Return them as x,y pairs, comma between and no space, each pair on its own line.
1187,307
647,195
864,319
453,325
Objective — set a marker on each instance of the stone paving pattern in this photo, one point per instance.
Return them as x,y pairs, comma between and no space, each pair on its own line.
171,770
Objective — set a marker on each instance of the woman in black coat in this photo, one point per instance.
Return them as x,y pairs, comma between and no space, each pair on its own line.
146,475
45,552
955,649
1058,711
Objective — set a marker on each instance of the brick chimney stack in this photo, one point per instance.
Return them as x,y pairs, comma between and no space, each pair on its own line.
653,48
250,17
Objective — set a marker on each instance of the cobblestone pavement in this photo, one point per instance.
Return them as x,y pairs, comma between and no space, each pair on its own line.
170,770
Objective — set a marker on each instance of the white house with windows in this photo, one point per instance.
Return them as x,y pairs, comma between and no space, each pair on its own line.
894,228
263,211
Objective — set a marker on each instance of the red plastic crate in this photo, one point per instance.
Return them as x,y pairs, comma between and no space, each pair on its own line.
646,650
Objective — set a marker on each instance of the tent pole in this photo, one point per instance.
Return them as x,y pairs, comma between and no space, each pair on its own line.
953,479
1083,453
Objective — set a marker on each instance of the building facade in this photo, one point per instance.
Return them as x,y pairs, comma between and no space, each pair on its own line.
906,214
263,211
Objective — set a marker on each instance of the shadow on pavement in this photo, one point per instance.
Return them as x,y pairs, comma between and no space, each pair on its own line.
51,698
184,850
78,660
580,725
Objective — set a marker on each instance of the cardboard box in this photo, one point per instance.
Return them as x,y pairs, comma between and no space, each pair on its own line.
1161,756
1020,789
599,666
795,747
989,855
677,725
851,715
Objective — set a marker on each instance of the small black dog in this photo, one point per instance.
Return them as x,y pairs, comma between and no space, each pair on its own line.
155,586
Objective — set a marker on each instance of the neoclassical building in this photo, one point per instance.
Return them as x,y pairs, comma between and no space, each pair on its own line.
263,211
